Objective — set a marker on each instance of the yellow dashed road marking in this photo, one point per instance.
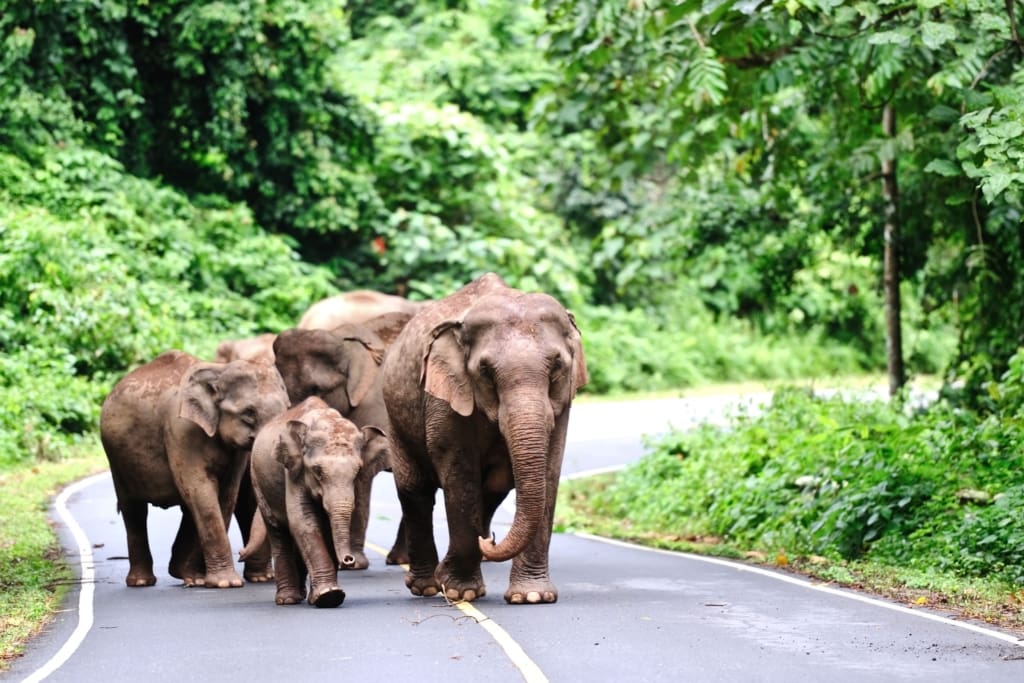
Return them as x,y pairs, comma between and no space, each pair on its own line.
530,671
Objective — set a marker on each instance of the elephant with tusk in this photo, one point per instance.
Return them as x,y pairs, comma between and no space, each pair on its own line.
478,388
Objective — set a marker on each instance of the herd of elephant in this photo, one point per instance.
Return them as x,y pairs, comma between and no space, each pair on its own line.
469,393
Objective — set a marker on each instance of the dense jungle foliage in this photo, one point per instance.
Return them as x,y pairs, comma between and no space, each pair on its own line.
700,182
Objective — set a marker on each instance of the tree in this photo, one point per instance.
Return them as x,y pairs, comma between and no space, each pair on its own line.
786,98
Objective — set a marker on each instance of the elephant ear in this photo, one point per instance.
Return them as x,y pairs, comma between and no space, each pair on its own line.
364,362
375,446
288,450
444,369
199,396
580,377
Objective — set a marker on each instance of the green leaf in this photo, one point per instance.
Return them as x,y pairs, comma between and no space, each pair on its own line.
943,113
943,168
897,36
995,183
935,34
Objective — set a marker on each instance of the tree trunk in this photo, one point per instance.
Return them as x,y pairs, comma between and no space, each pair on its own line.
891,276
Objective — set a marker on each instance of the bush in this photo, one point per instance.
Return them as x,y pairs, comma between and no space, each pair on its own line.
841,478
114,272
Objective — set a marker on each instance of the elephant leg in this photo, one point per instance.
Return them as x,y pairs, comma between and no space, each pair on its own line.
258,567
186,557
140,559
529,580
319,561
289,572
416,493
399,553
210,513
459,572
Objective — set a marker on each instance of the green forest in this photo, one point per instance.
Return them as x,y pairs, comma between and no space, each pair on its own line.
720,190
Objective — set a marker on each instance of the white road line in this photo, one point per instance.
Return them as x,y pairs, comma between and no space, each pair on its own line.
530,671
824,588
87,572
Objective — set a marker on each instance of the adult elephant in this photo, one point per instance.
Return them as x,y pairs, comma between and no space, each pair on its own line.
478,388
353,307
341,366
178,431
306,467
259,349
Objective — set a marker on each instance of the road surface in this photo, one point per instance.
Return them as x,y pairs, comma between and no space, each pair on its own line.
624,613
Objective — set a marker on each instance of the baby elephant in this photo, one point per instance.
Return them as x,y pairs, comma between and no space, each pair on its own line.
307,465
177,431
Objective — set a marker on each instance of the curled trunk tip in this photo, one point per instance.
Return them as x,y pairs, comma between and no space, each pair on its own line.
512,545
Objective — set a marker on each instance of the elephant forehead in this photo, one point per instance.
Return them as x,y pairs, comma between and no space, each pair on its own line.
329,426
520,310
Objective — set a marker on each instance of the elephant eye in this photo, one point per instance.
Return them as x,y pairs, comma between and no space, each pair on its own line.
486,370
318,471
249,417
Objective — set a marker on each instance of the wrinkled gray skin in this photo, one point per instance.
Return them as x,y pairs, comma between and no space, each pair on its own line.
258,349
308,467
341,366
353,307
387,327
478,388
178,431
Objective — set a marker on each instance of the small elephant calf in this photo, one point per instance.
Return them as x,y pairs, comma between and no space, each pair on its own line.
307,469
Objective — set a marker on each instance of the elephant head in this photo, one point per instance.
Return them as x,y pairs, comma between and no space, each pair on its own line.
337,365
518,360
259,349
232,401
322,454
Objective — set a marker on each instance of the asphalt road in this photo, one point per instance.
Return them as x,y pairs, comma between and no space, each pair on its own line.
624,613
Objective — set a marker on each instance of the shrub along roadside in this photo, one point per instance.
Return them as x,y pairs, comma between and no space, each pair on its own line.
924,505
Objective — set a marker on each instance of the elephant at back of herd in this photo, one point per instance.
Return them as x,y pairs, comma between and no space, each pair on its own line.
383,314
469,394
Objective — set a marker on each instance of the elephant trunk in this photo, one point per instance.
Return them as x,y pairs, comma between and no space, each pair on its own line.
526,425
257,537
339,516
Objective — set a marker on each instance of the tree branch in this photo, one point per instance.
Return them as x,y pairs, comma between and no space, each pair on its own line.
1013,25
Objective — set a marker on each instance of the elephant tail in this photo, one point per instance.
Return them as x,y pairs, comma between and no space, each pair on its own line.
257,537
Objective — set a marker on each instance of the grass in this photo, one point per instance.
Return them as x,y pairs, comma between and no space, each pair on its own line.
33,572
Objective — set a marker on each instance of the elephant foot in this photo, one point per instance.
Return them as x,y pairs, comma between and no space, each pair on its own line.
289,596
359,561
189,578
191,573
140,578
421,586
531,593
328,596
228,578
464,588
397,556
258,573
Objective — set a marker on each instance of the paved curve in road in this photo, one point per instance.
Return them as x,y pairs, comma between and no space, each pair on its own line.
624,613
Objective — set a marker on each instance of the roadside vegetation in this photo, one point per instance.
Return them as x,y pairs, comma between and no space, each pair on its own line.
706,185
